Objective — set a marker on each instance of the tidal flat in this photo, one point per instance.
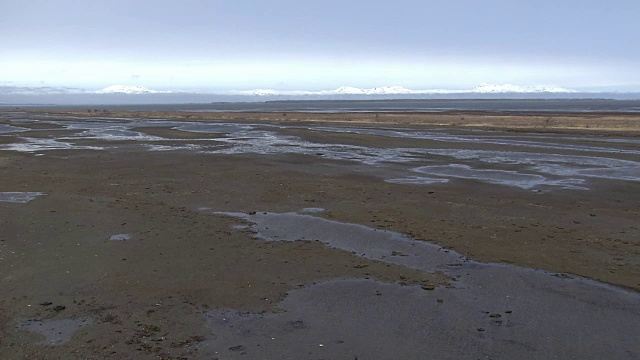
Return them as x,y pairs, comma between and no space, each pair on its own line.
324,236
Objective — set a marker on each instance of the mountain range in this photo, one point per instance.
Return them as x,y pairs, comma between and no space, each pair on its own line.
399,90
349,90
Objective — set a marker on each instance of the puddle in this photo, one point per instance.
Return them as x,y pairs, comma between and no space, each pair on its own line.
120,237
19,197
55,332
552,164
366,242
533,141
31,145
491,310
419,180
365,319
313,210
8,129
499,177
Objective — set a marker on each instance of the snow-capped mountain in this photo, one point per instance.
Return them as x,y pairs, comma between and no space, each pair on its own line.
393,90
344,90
124,89
507,88
399,90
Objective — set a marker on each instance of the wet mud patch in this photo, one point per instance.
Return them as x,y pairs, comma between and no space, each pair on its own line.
120,237
198,145
19,197
513,178
351,138
10,129
36,125
31,145
51,133
55,332
7,139
360,240
507,311
368,320
171,133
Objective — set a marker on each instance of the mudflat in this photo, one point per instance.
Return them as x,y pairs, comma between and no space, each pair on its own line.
335,236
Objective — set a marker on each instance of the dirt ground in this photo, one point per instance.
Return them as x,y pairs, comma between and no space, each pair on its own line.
571,122
145,295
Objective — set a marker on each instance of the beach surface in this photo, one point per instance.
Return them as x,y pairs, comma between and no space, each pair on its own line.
180,235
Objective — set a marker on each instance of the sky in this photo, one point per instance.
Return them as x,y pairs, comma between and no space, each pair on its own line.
313,45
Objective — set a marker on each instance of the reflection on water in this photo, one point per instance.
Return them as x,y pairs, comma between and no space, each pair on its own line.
19,197
501,177
524,312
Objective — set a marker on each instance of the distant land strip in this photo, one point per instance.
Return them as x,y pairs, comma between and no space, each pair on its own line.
600,122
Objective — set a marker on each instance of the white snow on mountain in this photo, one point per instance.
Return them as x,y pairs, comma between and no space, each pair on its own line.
507,88
399,90
346,90
339,92
124,89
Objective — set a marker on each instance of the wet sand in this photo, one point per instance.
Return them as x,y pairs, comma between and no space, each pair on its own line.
162,238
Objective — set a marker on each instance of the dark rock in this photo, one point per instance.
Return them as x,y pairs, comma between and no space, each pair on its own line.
299,324
46,303
237,348
59,308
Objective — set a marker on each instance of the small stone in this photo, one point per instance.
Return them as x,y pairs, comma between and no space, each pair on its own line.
299,324
481,329
428,287
508,312
237,348
46,303
495,316
59,308
440,300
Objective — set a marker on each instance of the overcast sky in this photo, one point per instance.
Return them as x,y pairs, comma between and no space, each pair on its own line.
312,45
